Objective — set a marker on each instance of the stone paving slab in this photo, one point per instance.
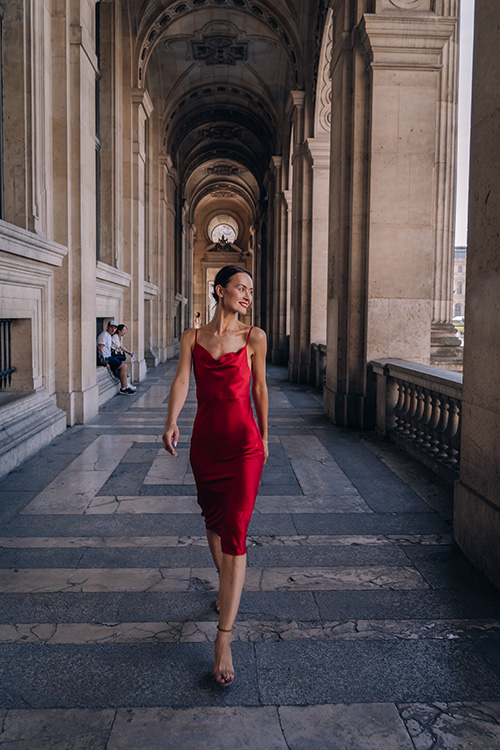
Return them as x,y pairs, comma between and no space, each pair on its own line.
419,604
201,541
366,578
254,631
372,726
121,675
311,672
199,556
360,726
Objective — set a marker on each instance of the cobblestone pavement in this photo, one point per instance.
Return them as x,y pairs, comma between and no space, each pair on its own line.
361,625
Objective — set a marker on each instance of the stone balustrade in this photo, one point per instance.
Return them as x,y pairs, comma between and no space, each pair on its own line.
419,408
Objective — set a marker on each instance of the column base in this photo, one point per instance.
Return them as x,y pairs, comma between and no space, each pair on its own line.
29,423
80,406
139,370
348,410
476,525
152,359
446,345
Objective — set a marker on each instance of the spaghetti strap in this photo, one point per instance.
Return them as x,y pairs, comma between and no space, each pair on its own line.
195,335
249,332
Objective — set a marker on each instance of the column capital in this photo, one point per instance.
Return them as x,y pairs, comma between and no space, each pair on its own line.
406,41
297,99
142,97
319,148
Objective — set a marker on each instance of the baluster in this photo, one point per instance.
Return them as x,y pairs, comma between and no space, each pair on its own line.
419,413
414,405
442,446
453,435
405,431
425,421
434,421
398,409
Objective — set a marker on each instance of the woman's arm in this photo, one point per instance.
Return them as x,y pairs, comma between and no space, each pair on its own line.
259,387
178,392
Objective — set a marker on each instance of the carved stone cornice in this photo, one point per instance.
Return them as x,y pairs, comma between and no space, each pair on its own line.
404,41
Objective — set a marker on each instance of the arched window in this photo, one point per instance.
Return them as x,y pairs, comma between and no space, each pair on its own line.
221,226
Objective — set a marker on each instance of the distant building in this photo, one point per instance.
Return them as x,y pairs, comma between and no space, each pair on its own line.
459,269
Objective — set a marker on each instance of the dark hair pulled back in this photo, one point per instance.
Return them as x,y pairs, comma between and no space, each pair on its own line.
224,275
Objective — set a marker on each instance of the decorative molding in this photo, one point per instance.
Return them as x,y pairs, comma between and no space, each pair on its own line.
220,49
405,5
223,194
405,42
151,291
323,116
222,132
224,170
112,275
17,241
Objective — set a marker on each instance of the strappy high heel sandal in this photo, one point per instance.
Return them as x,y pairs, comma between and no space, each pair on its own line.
224,677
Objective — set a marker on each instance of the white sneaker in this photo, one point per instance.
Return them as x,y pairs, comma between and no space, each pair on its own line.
132,387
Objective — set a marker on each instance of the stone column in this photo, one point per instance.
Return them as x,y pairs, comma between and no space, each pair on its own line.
446,350
388,225
299,357
477,495
319,148
278,347
75,197
168,228
142,109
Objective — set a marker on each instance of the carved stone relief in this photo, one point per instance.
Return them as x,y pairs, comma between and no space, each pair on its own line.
224,132
420,5
220,49
225,170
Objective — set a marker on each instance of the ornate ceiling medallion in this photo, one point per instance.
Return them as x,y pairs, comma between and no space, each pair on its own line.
220,49
225,170
218,132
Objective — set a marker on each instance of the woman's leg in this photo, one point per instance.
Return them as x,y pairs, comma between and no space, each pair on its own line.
216,550
232,578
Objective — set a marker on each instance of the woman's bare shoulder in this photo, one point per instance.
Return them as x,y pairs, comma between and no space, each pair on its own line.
257,336
188,336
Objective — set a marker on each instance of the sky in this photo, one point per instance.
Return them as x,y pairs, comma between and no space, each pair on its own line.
464,100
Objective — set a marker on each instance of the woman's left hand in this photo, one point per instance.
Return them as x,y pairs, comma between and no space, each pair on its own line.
265,445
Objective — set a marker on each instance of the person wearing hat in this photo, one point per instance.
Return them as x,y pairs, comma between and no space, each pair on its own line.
117,366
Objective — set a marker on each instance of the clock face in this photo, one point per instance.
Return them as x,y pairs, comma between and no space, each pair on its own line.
223,230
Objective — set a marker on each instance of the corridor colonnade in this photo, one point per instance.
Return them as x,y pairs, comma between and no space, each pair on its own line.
146,144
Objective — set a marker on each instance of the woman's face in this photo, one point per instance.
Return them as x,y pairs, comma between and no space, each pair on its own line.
238,294
122,333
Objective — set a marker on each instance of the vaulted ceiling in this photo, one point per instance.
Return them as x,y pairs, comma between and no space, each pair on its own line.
223,71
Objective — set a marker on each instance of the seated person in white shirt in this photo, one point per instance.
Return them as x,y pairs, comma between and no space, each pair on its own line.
117,348
117,366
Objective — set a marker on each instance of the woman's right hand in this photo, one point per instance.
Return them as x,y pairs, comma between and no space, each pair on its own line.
170,439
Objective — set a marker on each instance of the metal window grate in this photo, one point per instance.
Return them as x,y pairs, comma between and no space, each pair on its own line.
6,368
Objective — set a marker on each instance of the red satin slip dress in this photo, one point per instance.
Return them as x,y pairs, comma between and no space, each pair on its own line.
227,454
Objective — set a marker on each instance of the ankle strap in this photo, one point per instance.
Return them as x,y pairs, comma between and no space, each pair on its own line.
223,630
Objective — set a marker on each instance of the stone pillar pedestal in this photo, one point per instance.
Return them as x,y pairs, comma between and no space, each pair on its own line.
477,494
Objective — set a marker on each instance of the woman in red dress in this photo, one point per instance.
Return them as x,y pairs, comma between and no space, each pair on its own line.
228,450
